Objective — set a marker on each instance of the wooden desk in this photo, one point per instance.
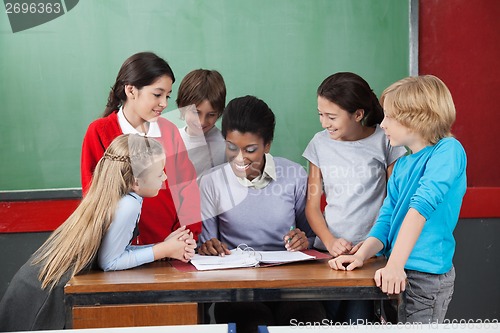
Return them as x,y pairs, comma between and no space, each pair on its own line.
159,294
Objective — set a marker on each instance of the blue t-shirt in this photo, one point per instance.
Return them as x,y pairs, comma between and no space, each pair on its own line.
432,181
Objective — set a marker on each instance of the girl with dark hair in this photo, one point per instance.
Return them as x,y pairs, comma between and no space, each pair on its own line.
135,104
350,160
258,200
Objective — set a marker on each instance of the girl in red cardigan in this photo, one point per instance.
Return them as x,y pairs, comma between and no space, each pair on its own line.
135,104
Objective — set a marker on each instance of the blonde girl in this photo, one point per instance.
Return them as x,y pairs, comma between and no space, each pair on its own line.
97,233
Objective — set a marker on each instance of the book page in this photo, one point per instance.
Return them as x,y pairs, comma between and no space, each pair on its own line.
275,257
236,259
246,257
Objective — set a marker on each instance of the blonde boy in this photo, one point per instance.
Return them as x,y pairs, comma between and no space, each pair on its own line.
424,195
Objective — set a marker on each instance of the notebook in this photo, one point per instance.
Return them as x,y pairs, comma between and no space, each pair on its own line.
245,256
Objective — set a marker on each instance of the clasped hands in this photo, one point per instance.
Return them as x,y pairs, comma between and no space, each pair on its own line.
181,244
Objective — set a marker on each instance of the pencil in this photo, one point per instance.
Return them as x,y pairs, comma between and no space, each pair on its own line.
291,228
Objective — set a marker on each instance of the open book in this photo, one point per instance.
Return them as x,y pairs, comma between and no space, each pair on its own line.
245,256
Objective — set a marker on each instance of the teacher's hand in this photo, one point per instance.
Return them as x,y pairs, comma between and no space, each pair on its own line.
213,247
296,240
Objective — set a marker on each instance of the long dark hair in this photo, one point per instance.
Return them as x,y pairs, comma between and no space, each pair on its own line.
351,92
139,70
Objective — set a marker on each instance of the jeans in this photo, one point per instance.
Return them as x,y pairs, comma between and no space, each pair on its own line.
426,297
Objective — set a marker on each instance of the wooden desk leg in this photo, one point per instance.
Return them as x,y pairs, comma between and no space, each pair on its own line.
390,310
135,315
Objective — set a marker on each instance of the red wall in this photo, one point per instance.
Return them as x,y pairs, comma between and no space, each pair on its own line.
35,216
460,43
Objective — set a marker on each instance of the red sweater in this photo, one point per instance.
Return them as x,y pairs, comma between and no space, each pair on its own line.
159,216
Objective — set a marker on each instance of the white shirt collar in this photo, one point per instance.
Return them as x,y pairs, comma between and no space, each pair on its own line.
153,131
265,178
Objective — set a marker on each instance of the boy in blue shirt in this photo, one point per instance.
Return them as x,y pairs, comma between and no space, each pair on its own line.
424,195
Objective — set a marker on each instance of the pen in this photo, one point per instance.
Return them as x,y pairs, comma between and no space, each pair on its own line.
291,228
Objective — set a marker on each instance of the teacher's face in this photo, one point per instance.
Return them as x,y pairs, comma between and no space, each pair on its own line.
245,152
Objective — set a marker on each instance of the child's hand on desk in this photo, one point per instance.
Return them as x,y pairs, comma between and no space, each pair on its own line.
213,247
184,234
346,262
296,240
339,246
178,245
189,250
177,233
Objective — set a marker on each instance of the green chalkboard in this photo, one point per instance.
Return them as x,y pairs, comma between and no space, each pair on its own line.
55,77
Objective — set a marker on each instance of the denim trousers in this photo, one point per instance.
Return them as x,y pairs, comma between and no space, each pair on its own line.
426,297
